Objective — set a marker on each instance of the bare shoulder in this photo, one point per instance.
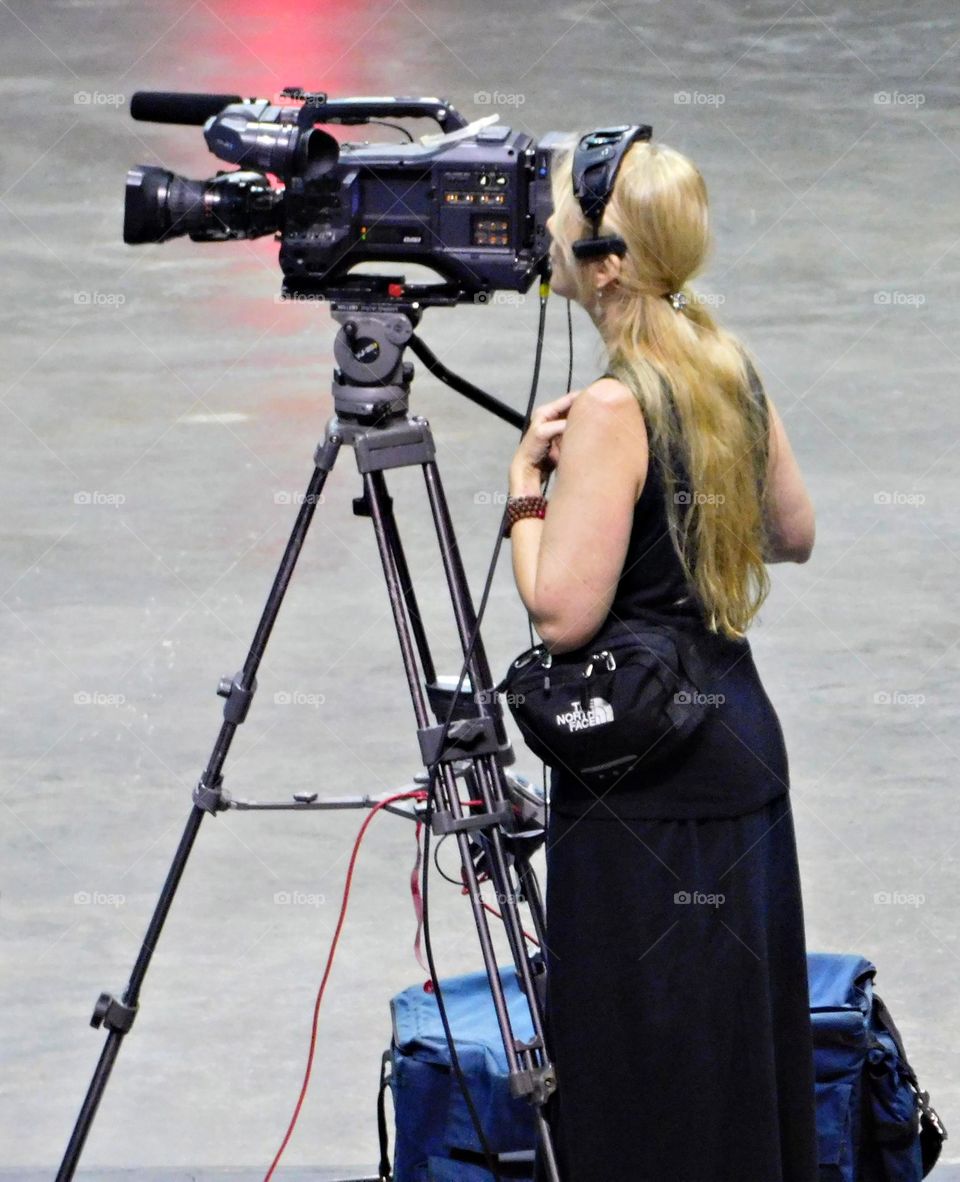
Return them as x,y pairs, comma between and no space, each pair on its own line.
612,395
611,392
608,413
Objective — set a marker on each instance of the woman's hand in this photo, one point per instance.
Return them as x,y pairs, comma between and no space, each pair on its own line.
539,450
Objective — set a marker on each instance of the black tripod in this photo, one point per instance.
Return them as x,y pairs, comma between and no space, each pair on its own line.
371,390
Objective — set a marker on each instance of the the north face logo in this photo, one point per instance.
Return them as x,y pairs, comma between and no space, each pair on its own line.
579,719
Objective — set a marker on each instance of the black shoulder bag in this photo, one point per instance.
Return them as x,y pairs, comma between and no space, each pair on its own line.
631,697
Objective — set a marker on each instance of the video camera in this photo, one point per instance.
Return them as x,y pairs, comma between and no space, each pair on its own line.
471,202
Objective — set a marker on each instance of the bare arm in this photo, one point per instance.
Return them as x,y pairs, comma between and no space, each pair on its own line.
788,510
567,566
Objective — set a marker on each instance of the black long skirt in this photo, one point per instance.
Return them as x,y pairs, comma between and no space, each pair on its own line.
677,1008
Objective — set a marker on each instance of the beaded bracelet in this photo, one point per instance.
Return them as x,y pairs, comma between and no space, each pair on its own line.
517,507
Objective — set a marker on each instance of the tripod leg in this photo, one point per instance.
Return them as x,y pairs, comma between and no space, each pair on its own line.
531,1073
406,589
377,498
540,1070
491,772
117,1016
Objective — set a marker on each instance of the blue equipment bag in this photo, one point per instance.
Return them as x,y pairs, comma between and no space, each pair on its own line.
435,1137
874,1123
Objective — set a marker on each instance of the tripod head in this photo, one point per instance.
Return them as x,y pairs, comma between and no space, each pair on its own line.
371,384
372,379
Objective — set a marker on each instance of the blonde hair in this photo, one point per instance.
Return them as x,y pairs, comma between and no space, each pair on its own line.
691,377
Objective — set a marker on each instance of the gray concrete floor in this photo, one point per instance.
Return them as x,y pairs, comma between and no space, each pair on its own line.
160,410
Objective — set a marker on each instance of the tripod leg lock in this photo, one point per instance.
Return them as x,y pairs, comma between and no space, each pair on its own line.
209,797
466,738
238,697
113,1014
534,1084
444,821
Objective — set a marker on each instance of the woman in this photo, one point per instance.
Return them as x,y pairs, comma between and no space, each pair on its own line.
677,1007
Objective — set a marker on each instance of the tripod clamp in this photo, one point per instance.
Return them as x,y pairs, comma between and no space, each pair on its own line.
535,1083
113,1014
211,797
208,794
466,738
238,697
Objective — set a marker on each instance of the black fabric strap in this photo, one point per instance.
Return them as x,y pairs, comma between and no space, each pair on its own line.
757,389
883,1017
385,1172
753,377
933,1132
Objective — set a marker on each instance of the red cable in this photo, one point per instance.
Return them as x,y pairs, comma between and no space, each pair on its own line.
419,795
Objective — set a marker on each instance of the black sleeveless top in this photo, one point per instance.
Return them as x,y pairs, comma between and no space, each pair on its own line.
652,578
737,760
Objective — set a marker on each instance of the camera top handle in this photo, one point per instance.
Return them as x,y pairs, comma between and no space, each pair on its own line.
162,106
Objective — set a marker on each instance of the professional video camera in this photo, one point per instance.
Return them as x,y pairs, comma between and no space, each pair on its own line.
470,202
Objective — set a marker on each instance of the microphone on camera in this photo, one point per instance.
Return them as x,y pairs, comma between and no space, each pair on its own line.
166,106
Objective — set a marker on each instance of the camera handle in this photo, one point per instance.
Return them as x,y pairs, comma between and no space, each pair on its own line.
371,391
193,109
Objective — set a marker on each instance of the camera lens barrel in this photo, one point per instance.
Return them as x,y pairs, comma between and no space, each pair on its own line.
161,205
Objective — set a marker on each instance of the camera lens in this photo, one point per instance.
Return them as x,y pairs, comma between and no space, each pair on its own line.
161,205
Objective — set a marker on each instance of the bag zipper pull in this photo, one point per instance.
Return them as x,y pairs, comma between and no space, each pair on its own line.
585,687
608,659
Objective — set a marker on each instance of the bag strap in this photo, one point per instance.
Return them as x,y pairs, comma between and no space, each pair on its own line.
886,1021
756,387
693,660
384,1171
